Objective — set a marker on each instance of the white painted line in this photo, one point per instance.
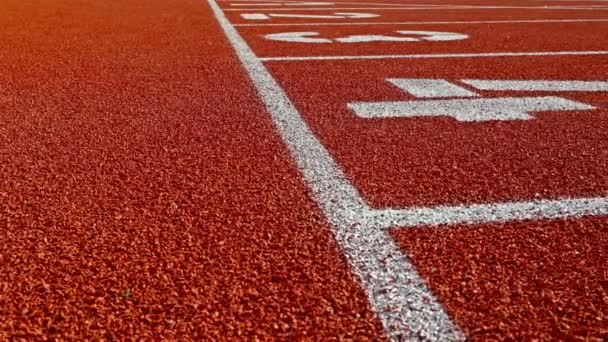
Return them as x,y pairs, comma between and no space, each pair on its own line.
468,110
280,2
527,85
447,215
548,8
439,55
255,16
325,9
540,21
286,4
335,2
337,15
400,298
430,88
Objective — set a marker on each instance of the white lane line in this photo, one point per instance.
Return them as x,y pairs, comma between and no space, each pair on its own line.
398,295
446,215
438,55
540,21
280,2
337,15
421,8
286,4
326,8
544,85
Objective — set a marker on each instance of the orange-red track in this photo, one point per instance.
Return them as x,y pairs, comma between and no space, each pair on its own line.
432,161
144,192
518,281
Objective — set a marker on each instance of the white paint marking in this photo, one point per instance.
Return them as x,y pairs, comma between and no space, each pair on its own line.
279,3
568,8
525,85
541,21
337,15
345,2
408,36
465,214
439,55
297,37
291,3
255,16
468,110
430,88
419,36
395,291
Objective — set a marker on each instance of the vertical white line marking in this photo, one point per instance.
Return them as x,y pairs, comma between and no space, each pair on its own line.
397,294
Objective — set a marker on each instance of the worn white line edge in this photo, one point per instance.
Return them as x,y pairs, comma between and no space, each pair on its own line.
438,55
396,293
355,23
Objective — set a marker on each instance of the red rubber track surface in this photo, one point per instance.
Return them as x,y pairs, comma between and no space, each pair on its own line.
144,192
482,38
405,15
427,161
521,281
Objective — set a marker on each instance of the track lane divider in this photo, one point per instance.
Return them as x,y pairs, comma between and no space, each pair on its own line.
354,23
397,294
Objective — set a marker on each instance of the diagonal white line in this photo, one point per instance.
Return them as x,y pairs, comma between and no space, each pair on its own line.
395,291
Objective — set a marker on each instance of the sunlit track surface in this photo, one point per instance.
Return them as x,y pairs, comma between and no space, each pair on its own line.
304,170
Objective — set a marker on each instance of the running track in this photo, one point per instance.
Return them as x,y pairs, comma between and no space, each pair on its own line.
188,170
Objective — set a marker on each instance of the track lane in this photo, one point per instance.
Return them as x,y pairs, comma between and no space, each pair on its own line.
397,15
530,280
134,207
402,162
145,193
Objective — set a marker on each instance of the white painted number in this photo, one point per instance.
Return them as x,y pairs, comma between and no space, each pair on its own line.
464,105
337,15
404,36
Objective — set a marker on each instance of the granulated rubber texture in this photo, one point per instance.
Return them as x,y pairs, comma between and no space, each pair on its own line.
422,161
144,193
518,281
